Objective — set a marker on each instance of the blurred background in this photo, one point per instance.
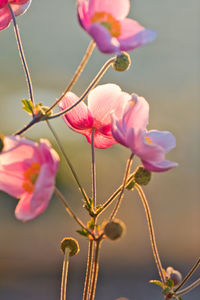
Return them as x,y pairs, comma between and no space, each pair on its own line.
167,73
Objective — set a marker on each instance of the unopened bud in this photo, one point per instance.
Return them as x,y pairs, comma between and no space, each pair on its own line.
71,244
174,275
114,229
1,142
142,176
122,62
131,185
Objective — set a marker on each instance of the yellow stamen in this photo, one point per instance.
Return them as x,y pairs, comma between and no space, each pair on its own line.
30,177
148,140
108,21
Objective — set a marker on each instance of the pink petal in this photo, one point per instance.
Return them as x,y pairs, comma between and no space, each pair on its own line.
19,9
136,114
129,28
5,17
162,138
82,10
104,99
18,1
11,182
117,131
142,38
162,166
3,3
18,149
101,141
119,9
50,156
79,118
105,42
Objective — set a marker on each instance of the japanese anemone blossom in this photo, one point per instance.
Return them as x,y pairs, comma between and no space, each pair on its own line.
27,171
106,22
18,7
150,146
97,115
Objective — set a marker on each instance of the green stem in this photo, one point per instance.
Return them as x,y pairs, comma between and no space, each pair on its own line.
95,271
127,170
22,55
151,231
88,270
91,86
93,170
77,73
68,163
64,275
193,269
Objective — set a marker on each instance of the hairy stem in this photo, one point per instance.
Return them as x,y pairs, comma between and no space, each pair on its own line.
127,170
189,288
68,162
22,56
77,73
93,170
95,271
88,270
91,86
151,231
193,269
63,289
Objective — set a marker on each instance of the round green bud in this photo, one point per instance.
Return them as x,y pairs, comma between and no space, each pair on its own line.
174,275
71,244
114,229
142,176
122,62
131,185
1,142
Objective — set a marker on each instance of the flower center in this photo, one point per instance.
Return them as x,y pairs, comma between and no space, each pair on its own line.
108,21
30,177
148,140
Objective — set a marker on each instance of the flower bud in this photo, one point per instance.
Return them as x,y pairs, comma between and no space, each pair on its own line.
114,229
71,244
122,62
1,142
142,176
131,185
174,275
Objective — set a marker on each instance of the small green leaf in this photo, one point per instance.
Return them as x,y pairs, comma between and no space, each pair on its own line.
166,291
27,106
179,298
157,282
91,224
83,232
169,283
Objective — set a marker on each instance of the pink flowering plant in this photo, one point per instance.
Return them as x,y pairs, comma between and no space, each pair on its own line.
111,116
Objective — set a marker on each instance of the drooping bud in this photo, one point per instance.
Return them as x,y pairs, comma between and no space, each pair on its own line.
131,185
1,142
142,176
71,244
174,275
122,62
114,229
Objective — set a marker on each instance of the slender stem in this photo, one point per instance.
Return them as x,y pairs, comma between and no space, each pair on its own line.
113,196
77,73
88,270
93,170
151,231
189,288
91,86
68,163
127,170
22,56
95,271
64,275
69,210
26,127
193,269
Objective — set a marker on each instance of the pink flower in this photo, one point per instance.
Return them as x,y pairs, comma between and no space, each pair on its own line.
151,146
18,7
107,24
97,115
27,171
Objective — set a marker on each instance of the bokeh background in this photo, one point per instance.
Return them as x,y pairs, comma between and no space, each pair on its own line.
167,73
